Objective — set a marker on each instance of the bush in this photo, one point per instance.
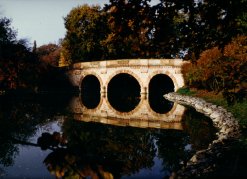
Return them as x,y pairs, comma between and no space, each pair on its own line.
221,70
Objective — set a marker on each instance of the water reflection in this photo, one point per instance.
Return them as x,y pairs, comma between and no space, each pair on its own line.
20,118
76,149
96,148
142,116
93,149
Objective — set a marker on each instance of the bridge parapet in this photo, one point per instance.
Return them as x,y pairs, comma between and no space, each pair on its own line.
129,62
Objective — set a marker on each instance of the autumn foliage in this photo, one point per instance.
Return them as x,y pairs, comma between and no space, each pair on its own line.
23,70
49,54
137,29
221,70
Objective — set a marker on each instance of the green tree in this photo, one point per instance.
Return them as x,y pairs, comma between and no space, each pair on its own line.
167,17
14,56
130,24
134,29
86,27
17,67
211,23
7,34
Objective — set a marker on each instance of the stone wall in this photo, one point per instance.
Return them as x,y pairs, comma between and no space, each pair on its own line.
203,161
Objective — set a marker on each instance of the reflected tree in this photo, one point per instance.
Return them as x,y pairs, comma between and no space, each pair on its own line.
96,150
19,120
127,149
172,149
177,147
200,129
93,148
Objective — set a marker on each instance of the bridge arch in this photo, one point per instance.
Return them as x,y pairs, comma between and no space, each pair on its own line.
96,76
93,74
167,73
159,85
117,100
117,72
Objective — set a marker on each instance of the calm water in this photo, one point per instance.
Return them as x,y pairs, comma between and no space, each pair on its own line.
40,138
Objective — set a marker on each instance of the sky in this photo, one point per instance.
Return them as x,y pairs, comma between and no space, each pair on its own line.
42,20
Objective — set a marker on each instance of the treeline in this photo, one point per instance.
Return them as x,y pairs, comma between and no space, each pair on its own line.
135,29
193,30
26,69
221,70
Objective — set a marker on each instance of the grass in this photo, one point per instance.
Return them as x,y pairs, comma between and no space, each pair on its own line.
239,110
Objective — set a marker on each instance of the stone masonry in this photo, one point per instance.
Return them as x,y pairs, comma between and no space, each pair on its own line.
143,70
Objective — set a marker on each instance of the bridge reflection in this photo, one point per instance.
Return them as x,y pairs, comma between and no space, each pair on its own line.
142,116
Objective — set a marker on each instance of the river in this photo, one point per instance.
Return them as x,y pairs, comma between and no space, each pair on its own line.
43,137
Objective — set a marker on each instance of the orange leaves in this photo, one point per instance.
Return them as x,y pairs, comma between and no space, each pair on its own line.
237,48
219,70
208,56
130,23
49,54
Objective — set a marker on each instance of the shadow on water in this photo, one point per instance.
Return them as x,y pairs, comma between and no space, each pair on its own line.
87,149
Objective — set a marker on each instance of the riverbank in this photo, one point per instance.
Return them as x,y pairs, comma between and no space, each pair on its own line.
205,162
239,110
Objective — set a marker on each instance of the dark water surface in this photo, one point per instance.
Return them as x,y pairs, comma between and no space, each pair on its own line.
39,138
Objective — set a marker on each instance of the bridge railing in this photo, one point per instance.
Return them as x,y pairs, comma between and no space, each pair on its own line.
129,62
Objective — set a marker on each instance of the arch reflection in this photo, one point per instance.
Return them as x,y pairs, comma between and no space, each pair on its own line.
143,116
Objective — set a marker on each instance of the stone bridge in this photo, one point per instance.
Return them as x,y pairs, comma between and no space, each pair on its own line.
143,70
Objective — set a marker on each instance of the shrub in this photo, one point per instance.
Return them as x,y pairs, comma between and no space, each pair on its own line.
221,70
